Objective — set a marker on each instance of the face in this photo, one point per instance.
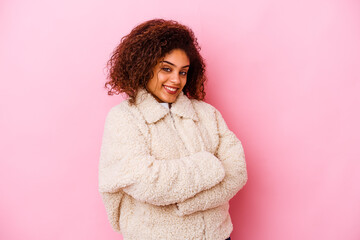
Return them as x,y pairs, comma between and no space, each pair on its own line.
170,75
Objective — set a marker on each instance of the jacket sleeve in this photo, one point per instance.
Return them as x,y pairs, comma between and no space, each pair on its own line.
112,206
231,154
127,164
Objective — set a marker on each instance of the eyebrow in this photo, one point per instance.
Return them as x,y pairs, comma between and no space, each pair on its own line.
174,64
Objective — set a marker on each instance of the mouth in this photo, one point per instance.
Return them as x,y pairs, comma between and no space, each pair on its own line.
171,90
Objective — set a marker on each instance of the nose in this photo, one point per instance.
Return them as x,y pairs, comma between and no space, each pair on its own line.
175,78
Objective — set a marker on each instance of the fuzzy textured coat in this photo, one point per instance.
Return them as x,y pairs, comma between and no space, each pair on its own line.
169,173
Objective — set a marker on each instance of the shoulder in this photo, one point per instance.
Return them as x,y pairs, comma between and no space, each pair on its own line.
204,108
120,112
206,112
201,106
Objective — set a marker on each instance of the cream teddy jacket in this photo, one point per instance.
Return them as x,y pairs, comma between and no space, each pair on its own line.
169,173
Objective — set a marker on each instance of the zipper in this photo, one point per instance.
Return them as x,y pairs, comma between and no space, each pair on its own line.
173,125
172,120
204,229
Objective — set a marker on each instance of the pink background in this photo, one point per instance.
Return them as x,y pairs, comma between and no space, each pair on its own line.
285,75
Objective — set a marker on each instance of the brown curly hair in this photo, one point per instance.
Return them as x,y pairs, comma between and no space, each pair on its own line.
133,60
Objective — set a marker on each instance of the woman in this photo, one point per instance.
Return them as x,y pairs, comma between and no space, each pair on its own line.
169,164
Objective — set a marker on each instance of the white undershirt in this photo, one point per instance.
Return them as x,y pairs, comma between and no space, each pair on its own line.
165,104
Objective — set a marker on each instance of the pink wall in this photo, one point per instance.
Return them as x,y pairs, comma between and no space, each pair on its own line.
285,74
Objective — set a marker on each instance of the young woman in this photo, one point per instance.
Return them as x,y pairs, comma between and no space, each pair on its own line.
168,164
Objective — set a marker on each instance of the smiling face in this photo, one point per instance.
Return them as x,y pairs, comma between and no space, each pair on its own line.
169,76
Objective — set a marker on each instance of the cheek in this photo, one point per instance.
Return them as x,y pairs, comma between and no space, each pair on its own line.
162,78
183,82
150,85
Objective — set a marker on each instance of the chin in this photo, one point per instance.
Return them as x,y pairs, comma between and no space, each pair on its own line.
171,99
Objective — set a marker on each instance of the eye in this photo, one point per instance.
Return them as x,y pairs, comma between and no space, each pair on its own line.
183,73
166,69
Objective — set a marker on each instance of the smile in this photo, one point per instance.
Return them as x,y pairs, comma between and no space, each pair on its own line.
170,89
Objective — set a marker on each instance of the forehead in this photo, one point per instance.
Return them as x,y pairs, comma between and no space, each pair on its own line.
178,57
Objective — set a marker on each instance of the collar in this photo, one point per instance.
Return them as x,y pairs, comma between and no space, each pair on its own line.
152,110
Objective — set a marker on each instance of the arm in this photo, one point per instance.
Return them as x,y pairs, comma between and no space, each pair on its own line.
126,163
231,153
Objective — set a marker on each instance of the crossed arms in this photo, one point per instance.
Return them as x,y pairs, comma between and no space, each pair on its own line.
194,183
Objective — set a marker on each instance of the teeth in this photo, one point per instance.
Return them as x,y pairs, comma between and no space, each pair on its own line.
171,89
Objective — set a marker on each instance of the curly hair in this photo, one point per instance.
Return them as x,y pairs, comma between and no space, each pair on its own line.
133,60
